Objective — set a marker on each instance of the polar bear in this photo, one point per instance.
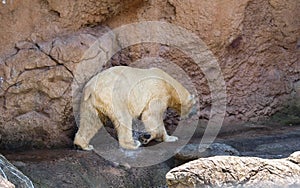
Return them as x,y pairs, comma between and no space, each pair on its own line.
123,93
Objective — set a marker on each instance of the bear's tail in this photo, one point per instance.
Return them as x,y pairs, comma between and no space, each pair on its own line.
89,121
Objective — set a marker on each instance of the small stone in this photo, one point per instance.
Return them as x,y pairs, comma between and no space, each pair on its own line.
195,151
295,157
19,164
25,45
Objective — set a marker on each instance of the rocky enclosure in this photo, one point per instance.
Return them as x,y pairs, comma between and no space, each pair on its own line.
42,41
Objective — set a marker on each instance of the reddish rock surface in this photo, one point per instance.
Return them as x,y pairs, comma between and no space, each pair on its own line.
41,42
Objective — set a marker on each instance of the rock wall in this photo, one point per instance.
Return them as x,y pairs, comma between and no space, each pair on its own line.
41,20
41,42
256,43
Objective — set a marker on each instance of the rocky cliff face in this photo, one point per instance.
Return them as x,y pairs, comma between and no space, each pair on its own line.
42,41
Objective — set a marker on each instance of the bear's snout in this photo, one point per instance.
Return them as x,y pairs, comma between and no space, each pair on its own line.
193,111
147,136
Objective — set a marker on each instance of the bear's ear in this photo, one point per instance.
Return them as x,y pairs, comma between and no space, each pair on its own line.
192,98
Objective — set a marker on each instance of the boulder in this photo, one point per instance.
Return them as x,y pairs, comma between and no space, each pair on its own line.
11,176
233,171
4,183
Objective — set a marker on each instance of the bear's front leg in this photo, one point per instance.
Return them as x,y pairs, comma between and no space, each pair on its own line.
125,136
162,135
153,120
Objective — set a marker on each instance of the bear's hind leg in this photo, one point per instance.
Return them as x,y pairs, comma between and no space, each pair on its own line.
89,125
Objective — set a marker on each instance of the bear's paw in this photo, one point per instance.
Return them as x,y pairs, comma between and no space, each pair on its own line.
171,139
88,148
129,145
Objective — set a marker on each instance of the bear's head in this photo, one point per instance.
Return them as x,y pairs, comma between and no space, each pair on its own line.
188,107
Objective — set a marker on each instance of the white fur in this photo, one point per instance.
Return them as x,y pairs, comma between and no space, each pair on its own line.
123,93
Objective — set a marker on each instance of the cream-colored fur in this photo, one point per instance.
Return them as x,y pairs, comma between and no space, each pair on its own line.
123,93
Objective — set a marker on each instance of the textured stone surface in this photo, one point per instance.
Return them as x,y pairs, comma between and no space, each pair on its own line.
41,43
196,151
256,43
71,168
264,141
230,171
42,20
36,109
